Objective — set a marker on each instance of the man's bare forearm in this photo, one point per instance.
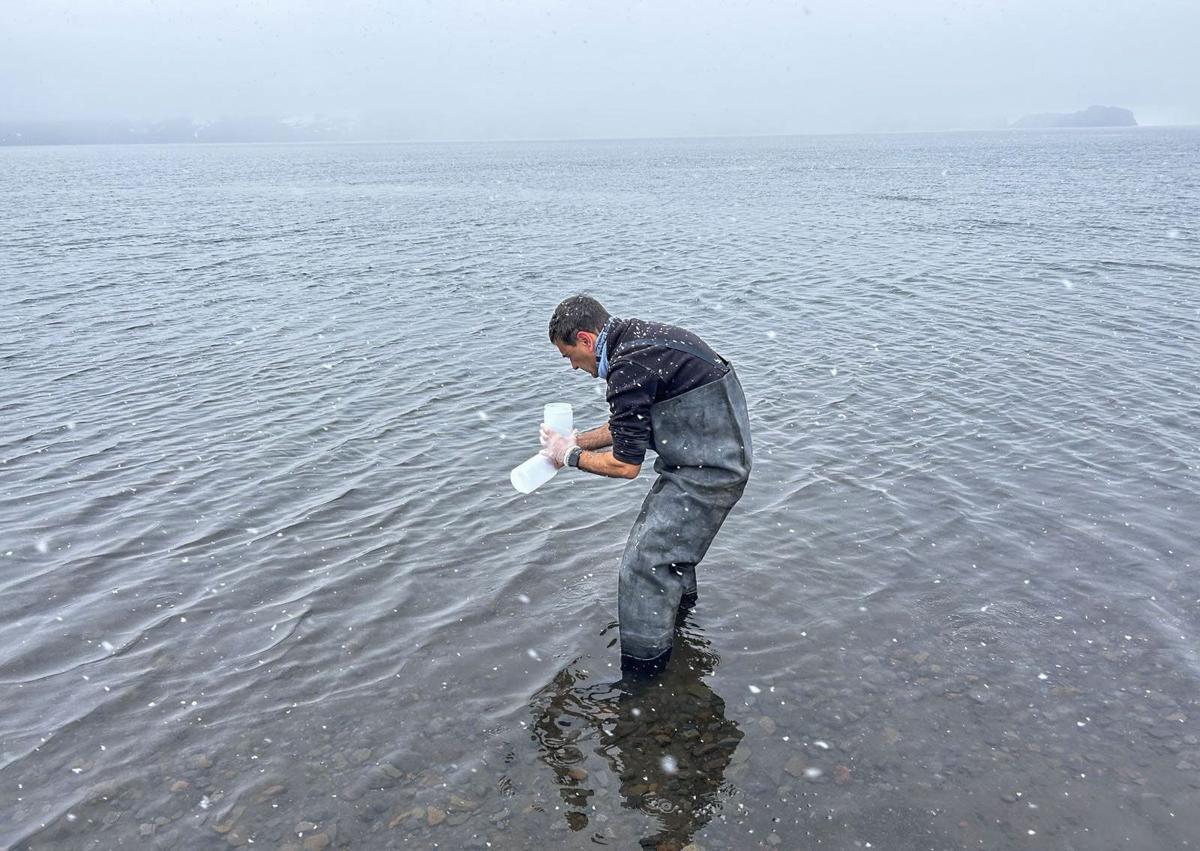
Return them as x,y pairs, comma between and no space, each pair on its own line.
597,457
603,463
596,438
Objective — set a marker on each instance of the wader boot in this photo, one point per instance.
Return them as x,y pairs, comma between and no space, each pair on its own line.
704,457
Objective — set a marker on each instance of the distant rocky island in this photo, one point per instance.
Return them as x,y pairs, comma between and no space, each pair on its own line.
1093,116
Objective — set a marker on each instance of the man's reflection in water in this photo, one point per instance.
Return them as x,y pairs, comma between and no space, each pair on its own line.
665,738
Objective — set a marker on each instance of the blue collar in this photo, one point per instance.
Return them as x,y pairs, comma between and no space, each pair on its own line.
602,349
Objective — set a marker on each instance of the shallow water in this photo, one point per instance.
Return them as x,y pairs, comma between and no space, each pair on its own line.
264,578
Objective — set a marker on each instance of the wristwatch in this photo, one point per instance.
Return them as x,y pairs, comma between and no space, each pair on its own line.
573,457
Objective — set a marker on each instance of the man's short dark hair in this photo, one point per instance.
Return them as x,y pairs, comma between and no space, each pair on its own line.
578,313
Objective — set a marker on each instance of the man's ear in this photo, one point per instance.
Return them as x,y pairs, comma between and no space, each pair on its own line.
586,337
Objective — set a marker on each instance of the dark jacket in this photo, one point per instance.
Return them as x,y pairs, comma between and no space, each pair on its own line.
641,375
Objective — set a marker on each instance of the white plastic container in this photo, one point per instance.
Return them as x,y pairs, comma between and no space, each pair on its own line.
559,416
534,473
539,469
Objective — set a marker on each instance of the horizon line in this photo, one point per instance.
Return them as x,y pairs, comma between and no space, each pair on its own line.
566,139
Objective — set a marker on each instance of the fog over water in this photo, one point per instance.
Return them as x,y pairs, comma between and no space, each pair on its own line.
485,70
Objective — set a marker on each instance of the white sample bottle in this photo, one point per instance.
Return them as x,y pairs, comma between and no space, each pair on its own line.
539,469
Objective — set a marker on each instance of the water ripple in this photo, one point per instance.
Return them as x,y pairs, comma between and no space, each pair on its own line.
261,564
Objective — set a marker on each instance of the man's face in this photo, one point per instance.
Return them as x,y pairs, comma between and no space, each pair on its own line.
583,354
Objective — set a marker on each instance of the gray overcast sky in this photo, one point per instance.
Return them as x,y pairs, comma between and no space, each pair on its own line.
538,68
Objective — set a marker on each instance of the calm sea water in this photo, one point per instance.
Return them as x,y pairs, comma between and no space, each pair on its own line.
263,578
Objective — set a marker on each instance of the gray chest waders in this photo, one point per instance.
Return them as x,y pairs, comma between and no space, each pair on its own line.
704,457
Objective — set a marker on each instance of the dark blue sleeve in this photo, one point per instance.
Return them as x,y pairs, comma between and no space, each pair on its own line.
631,390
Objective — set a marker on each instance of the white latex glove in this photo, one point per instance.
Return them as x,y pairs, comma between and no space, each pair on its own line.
557,447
